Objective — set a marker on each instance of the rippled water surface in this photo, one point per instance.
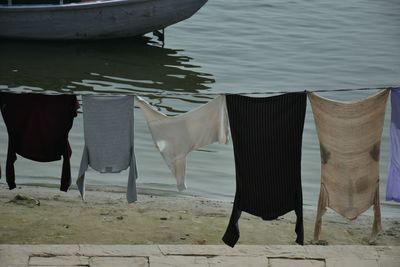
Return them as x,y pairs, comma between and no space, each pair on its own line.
228,46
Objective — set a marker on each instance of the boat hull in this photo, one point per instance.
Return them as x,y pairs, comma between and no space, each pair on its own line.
93,20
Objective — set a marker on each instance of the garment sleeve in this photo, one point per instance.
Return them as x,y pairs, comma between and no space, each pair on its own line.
223,132
299,219
376,227
232,233
131,194
178,168
80,182
11,158
66,168
322,204
11,154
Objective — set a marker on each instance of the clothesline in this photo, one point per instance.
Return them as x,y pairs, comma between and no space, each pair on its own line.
211,93
272,92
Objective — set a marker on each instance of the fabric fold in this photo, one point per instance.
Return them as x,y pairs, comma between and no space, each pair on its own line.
38,127
108,134
267,138
176,136
349,134
393,180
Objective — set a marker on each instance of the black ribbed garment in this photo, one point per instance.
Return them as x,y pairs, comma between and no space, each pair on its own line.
267,137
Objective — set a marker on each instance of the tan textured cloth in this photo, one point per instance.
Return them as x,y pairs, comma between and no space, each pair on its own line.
349,134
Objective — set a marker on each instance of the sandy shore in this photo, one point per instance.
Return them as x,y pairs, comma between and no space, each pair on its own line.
49,216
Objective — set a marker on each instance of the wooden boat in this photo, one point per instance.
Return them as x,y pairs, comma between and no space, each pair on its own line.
103,19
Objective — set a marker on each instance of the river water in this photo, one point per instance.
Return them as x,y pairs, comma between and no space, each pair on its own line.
228,46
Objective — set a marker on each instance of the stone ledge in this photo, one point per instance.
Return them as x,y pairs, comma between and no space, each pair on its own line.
297,263
240,250
170,261
42,249
197,255
119,262
238,261
59,261
386,261
345,251
351,262
120,250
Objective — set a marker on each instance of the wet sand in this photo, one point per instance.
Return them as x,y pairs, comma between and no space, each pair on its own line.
47,216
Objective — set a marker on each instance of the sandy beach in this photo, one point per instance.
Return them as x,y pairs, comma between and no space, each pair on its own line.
39,215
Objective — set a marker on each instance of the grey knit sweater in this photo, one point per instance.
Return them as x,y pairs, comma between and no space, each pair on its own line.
108,130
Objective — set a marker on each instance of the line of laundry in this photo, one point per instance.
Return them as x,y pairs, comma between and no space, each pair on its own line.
267,141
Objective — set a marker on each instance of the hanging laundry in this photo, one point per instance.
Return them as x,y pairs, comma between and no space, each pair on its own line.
176,136
38,127
393,182
108,133
349,135
267,139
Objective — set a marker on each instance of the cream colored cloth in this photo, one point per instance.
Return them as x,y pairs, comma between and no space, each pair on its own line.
176,136
349,134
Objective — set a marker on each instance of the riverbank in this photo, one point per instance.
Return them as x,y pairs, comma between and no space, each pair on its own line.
38,215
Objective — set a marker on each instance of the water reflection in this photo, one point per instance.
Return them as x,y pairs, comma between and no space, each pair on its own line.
115,66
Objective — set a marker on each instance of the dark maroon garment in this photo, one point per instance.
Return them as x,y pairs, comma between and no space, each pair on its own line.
38,127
